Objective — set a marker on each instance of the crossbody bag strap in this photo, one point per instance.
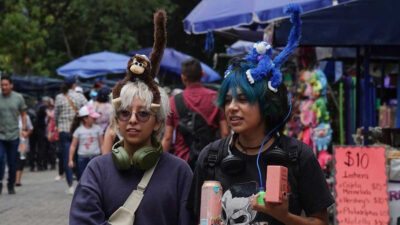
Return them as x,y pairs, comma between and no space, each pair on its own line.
180,105
71,104
134,199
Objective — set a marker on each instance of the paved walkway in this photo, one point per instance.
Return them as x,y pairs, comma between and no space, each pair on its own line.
40,200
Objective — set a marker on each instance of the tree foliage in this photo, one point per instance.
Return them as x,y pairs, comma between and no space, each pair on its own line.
37,36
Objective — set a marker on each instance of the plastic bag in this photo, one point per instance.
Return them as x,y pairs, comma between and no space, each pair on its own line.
23,147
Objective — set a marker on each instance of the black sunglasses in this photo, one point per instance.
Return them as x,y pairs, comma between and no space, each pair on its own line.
141,116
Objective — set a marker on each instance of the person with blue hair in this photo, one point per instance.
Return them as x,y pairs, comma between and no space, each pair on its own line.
257,107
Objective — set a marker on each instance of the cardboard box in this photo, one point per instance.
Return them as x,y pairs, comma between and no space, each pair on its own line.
276,184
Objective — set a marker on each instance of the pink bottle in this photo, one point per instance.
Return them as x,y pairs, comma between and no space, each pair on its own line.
211,208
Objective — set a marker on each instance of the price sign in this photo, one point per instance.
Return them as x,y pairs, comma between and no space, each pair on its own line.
361,186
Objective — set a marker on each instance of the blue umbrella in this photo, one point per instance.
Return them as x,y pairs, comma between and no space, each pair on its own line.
96,64
171,64
239,48
224,14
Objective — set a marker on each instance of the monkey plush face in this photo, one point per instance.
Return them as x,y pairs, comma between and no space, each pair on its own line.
139,64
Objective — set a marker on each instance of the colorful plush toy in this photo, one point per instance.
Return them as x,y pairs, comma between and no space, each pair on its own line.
307,115
318,81
322,136
140,67
320,109
316,85
322,80
261,54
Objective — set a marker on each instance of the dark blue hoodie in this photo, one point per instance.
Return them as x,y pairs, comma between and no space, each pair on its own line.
103,189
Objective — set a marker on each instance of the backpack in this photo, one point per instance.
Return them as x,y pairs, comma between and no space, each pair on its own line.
194,129
214,157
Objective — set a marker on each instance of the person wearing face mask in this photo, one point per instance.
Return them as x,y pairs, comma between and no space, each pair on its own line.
109,180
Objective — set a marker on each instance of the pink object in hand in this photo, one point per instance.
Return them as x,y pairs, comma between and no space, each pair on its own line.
211,207
276,184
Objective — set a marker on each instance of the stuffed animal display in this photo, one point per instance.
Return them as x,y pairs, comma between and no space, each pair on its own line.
315,129
145,69
314,112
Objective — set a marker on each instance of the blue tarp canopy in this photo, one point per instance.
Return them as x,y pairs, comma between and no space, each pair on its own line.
211,15
243,33
171,64
96,64
36,85
354,23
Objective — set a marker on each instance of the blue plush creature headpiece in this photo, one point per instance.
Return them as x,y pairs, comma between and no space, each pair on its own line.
261,54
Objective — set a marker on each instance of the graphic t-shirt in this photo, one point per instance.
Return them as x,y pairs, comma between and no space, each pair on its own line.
240,188
88,140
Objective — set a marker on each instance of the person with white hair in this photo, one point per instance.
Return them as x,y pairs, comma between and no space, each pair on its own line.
110,181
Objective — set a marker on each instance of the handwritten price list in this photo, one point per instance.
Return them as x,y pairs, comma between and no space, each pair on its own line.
361,186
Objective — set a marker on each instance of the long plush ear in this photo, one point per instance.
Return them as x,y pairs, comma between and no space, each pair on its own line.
294,36
160,41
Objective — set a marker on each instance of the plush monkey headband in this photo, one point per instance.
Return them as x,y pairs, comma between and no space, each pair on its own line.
145,69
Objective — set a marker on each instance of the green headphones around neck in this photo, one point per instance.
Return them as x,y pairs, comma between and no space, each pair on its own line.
144,158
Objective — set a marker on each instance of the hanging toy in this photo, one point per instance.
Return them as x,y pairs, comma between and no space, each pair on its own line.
145,69
322,136
262,53
320,109
307,115
316,85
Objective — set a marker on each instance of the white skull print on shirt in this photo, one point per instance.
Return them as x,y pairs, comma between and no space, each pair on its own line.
236,205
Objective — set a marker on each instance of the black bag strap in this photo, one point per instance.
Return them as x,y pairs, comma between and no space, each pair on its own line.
292,148
219,148
215,152
180,105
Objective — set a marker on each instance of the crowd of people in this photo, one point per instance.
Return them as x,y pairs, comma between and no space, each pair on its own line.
40,137
135,137
142,157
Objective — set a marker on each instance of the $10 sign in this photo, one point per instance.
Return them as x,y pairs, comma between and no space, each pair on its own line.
361,185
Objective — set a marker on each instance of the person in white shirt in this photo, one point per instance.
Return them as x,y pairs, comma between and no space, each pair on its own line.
89,137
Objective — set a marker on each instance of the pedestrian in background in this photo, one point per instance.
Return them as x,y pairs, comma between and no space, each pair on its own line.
12,104
53,139
94,92
44,156
87,136
195,98
66,107
23,147
103,107
32,154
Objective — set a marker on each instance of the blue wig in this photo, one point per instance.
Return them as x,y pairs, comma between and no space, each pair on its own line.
273,106
236,80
